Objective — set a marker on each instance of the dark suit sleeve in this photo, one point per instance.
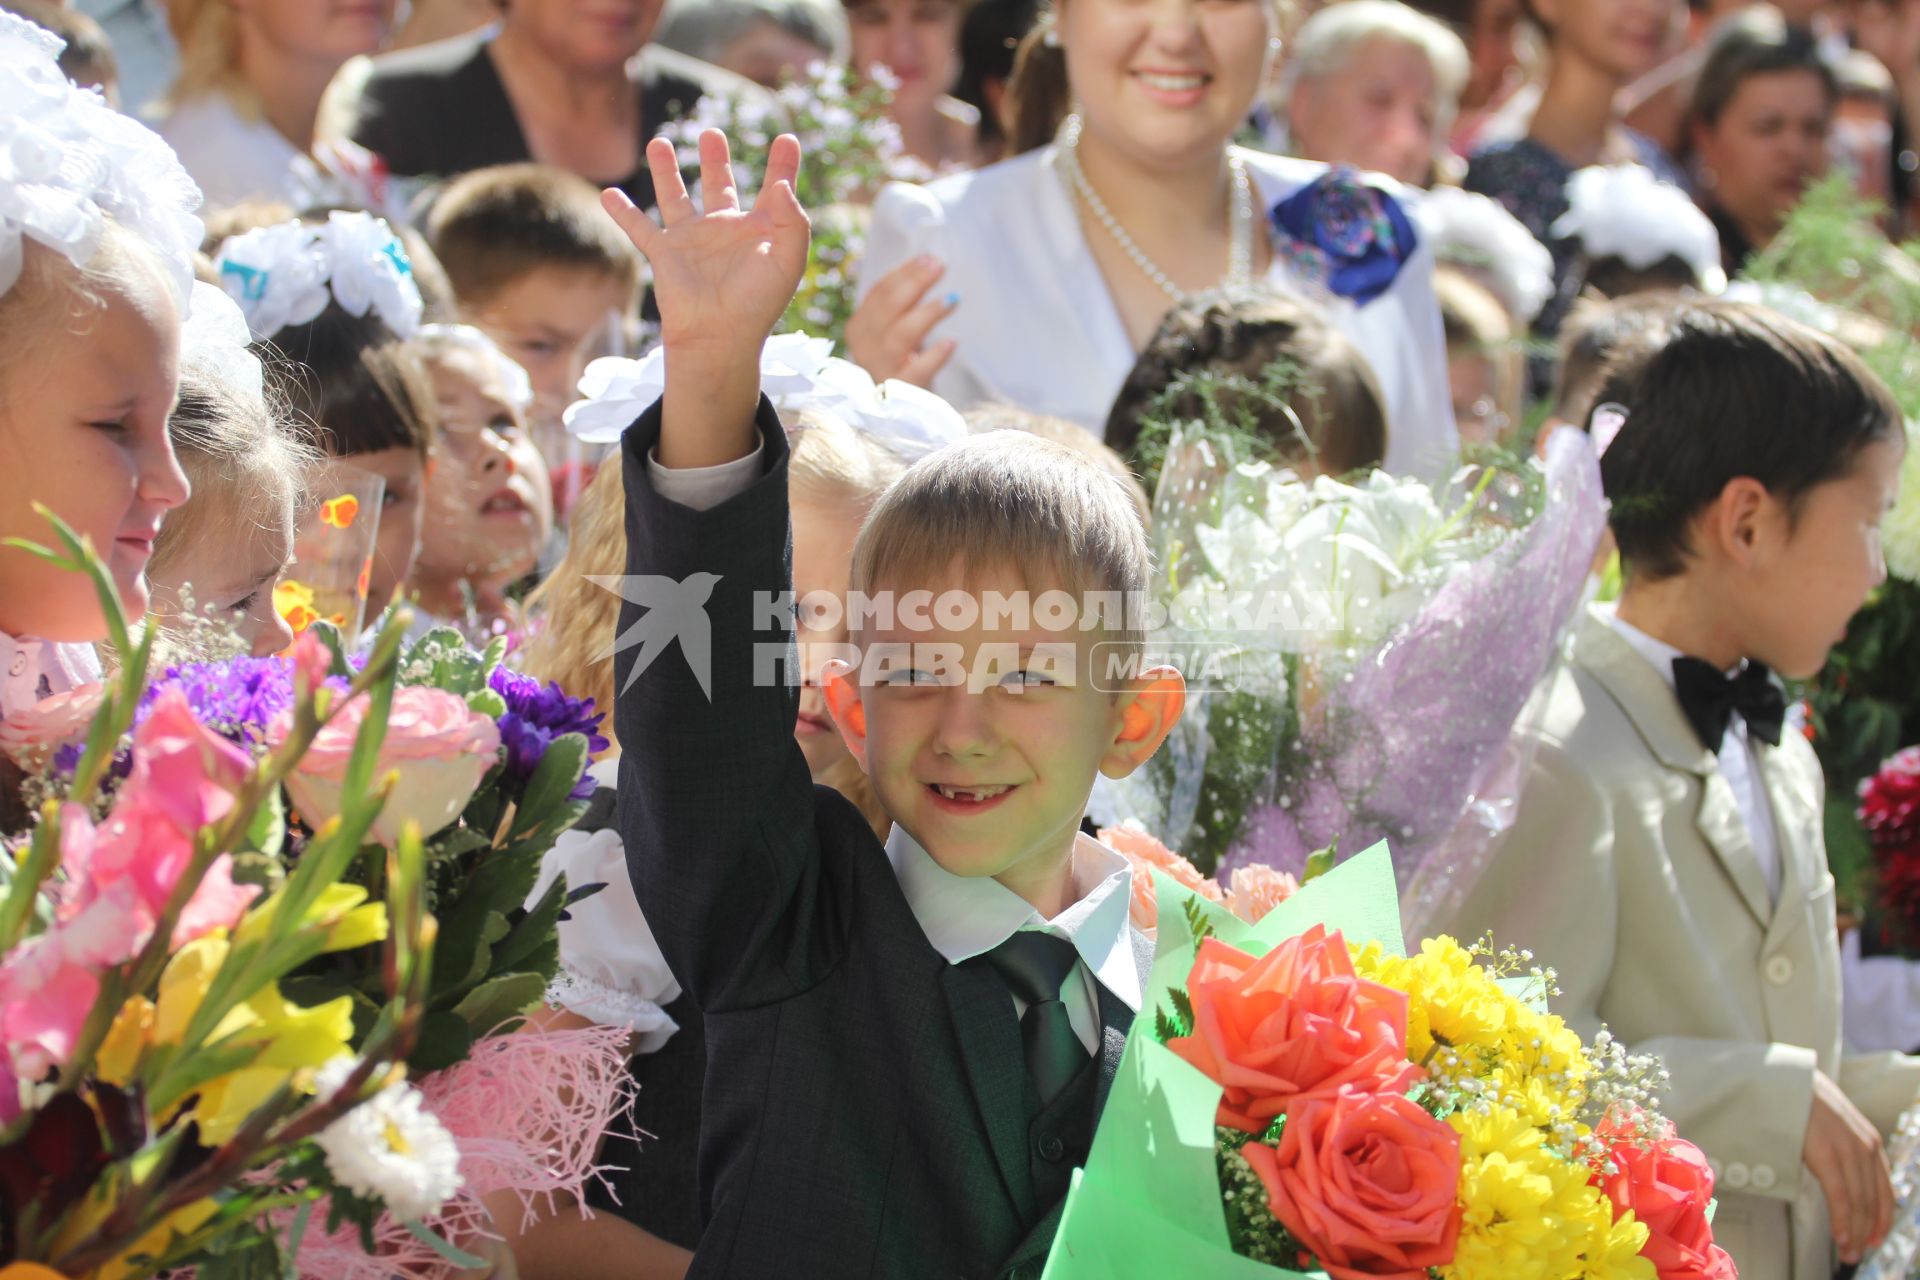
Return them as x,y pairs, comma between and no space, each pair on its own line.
716,803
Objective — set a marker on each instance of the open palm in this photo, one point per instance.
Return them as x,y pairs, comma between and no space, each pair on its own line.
718,270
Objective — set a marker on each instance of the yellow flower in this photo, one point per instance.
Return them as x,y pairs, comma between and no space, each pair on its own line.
103,1200
287,1036
1613,1248
1450,999
126,1040
338,909
1524,1209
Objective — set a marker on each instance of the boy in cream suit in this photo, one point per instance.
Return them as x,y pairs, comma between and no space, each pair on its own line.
1668,861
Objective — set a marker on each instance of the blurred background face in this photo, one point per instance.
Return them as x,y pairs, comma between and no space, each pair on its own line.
822,558
328,31
1621,38
1166,82
489,503
767,51
229,575
917,40
591,35
1378,112
1766,146
1491,51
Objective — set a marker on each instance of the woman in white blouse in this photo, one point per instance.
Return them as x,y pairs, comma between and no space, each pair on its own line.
1035,281
244,111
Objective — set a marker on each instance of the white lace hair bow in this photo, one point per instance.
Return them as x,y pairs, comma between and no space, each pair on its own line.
69,163
1473,231
213,342
1625,211
284,274
796,373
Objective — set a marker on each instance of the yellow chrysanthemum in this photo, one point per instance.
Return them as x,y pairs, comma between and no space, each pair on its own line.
1450,999
1525,1211
1613,1247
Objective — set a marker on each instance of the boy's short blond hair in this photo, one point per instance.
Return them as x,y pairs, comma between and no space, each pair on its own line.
1005,417
493,226
1006,499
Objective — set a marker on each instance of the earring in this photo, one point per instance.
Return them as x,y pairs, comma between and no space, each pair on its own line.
1052,37
1274,44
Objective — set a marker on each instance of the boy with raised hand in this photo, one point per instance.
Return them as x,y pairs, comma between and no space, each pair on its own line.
908,1045
1668,861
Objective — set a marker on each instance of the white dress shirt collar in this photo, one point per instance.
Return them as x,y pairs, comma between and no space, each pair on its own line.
968,916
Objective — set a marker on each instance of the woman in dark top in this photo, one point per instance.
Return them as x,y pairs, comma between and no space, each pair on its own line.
1760,117
1598,47
550,83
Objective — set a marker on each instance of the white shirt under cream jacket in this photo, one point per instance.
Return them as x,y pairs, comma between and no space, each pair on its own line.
1036,328
968,916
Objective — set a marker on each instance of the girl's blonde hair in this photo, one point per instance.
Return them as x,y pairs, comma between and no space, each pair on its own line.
208,34
246,470
831,464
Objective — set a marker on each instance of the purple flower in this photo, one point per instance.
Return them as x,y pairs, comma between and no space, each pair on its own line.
236,698
536,715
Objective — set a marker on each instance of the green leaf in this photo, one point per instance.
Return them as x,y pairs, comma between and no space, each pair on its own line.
329,635
1320,862
500,999
487,703
1198,926
553,781
445,1038
536,931
267,833
442,1247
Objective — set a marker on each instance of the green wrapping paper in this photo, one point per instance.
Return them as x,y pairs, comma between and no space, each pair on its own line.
1149,1202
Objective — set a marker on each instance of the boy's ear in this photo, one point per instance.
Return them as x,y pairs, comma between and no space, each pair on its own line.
1147,714
1739,522
849,712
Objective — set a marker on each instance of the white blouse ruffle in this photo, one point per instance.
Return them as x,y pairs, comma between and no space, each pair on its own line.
611,970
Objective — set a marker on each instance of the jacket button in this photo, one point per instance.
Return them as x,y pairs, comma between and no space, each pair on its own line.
1763,1177
1737,1175
1050,1148
1779,970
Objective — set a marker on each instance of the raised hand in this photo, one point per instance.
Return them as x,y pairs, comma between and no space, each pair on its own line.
722,278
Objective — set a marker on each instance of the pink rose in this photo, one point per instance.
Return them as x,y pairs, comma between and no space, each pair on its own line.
440,748
1255,890
1669,1187
183,779
31,735
1144,853
1369,1184
1294,1025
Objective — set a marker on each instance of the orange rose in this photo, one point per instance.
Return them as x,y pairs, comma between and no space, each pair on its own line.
1293,1025
1369,1184
1144,853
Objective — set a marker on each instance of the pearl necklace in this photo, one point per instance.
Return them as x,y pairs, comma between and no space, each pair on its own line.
1239,217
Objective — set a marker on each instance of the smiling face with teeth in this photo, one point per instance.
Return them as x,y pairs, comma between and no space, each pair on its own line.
991,773
1166,82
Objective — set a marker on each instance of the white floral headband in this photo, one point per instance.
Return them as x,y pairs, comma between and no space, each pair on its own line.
284,275
797,373
214,342
1473,231
69,163
1625,211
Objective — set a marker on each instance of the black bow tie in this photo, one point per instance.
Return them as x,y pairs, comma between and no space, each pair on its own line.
1710,698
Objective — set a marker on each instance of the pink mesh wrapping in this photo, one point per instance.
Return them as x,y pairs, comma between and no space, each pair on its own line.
528,1110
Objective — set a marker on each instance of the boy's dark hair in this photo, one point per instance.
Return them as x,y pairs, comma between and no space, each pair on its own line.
1336,401
1602,332
351,384
1732,390
493,226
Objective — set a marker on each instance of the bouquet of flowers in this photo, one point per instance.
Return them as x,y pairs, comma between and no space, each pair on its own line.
849,149
1299,1096
1361,653
482,770
162,1094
